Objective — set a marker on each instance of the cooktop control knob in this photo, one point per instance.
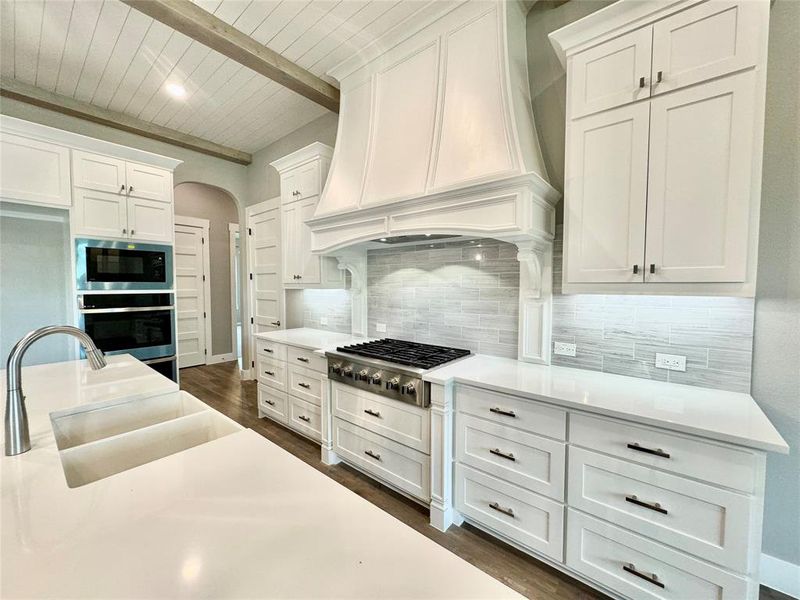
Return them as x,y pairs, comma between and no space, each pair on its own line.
337,368
376,378
393,383
347,371
409,388
362,375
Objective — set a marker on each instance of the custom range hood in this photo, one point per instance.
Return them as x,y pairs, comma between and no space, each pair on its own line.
436,136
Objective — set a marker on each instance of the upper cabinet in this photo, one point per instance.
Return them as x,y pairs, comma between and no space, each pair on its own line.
664,140
34,171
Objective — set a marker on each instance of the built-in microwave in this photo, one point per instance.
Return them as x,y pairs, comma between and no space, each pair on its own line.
109,265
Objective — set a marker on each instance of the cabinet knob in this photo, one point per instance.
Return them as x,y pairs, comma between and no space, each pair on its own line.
130,189
131,231
122,188
124,231
635,269
641,82
660,77
276,323
652,267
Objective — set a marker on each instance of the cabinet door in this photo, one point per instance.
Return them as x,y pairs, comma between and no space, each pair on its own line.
710,40
307,180
34,171
606,196
611,74
700,195
98,172
290,233
149,220
289,186
309,263
147,182
100,214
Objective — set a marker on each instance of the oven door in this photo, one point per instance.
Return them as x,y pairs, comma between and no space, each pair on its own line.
142,325
107,265
166,365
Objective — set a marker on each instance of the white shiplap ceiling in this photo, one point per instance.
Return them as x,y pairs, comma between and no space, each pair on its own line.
107,54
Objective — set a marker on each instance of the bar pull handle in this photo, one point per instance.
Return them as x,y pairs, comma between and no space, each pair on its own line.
498,452
302,359
651,505
276,323
641,82
270,402
372,454
304,418
652,268
506,413
304,385
268,350
635,269
373,413
654,452
660,77
506,511
270,373
652,578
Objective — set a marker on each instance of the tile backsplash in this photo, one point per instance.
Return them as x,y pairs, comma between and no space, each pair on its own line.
463,293
334,306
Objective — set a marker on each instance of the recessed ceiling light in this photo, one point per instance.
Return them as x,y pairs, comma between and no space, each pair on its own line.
176,90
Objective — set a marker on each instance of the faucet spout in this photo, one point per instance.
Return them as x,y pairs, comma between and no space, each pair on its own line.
17,433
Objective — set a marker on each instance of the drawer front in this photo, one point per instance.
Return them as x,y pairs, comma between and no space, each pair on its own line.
305,417
523,414
729,467
706,521
636,567
402,467
527,518
271,349
403,423
307,358
307,384
271,372
272,404
530,461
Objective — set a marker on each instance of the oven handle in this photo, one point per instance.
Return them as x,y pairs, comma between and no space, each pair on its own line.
163,359
125,309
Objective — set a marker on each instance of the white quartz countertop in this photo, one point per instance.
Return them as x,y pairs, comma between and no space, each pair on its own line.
311,339
714,414
237,517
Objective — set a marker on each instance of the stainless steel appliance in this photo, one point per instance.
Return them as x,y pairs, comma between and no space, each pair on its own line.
109,265
140,324
390,368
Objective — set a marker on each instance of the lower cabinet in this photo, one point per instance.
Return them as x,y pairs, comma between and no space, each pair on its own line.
272,404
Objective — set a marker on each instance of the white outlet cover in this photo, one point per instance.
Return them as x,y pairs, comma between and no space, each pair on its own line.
671,362
564,349
323,320
380,327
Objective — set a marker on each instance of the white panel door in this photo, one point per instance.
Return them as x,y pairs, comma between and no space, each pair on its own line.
611,74
190,291
148,182
98,172
264,260
712,39
34,171
100,214
149,220
604,217
700,194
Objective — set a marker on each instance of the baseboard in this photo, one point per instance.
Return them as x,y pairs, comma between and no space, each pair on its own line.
780,575
220,358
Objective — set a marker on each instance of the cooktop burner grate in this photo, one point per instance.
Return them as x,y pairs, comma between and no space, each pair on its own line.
412,354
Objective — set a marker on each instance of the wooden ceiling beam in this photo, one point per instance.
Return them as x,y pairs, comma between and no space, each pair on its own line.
205,28
11,88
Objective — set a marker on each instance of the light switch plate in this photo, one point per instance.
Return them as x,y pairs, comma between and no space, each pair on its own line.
564,349
381,327
671,362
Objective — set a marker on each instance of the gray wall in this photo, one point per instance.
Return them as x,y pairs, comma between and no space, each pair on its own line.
333,305
207,202
776,354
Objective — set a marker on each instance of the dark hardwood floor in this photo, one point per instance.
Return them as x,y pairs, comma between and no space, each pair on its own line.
219,387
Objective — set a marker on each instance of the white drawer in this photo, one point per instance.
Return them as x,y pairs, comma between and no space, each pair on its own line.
271,372
509,410
723,465
404,423
706,521
307,384
271,349
398,465
533,462
602,552
307,358
272,404
524,517
305,417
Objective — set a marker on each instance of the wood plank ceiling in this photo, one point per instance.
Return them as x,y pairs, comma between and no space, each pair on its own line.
109,55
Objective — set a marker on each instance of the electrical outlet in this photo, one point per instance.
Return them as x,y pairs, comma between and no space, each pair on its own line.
381,327
671,362
564,349
323,320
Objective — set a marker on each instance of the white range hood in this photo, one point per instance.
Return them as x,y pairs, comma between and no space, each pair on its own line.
436,136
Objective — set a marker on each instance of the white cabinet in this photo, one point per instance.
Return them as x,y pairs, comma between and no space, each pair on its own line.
34,172
665,121
98,172
150,183
100,214
149,220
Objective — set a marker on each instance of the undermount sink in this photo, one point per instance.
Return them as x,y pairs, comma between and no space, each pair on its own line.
95,444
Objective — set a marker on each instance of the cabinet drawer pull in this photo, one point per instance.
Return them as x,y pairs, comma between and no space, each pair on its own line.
268,350
656,452
651,505
270,402
505,413
304,418
641,82
304,385
652,578
506,511
652,268
635,269
372,454
373,413
270,373
302,359
497,452
276,323
660,77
